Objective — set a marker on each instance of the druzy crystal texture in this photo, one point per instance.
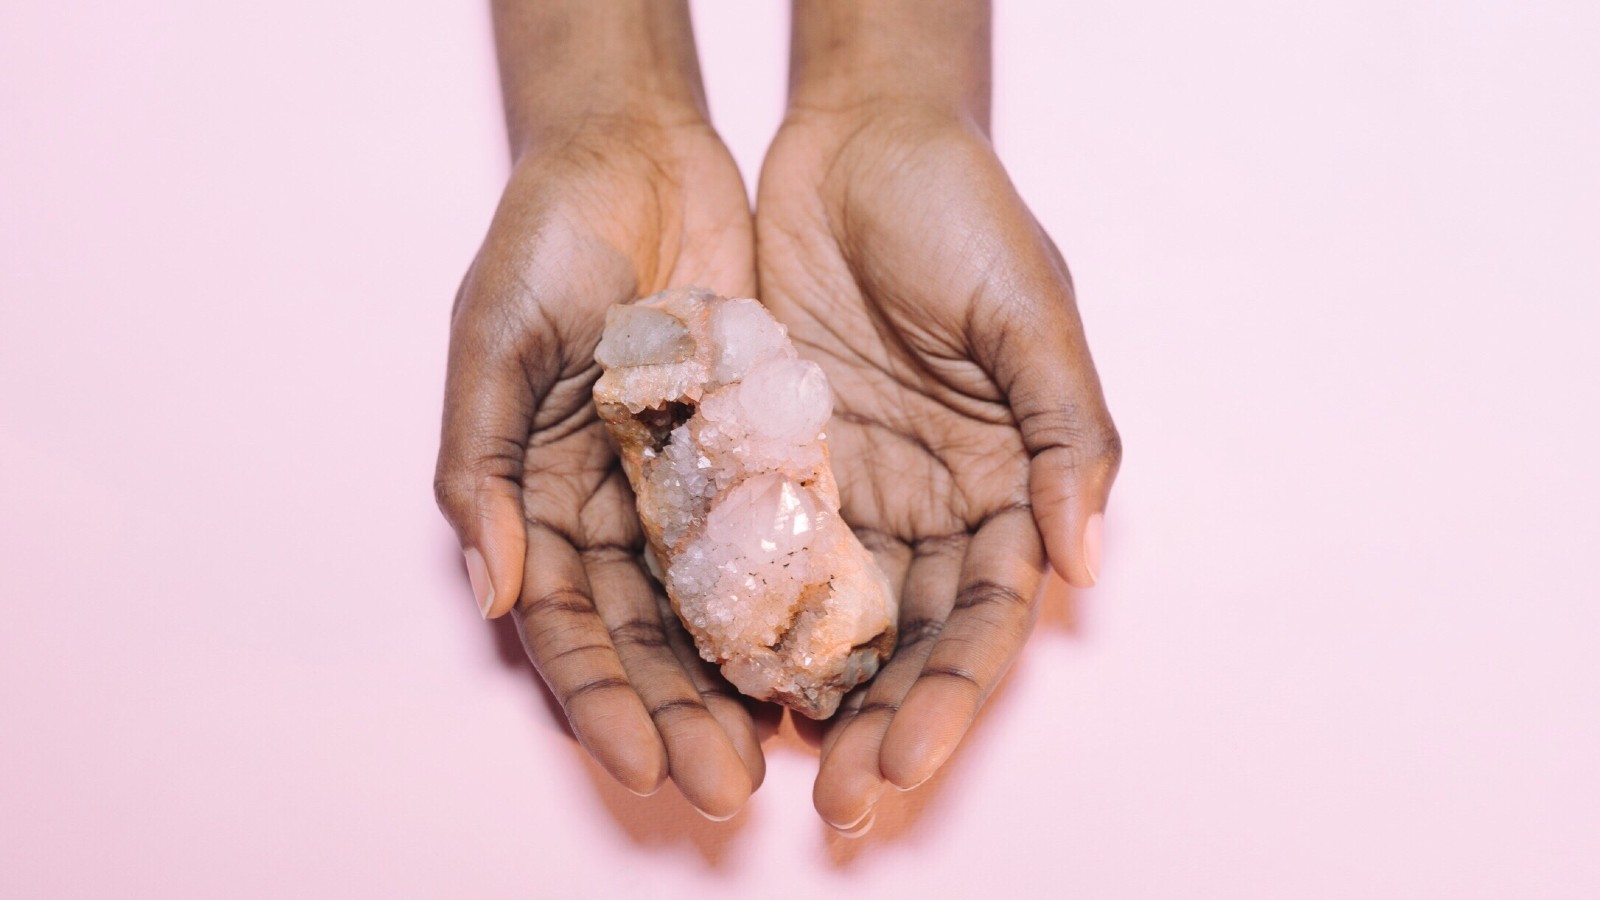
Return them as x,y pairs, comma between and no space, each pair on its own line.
720,429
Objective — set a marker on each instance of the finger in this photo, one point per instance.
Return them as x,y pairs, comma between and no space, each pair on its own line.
488,408
701,758
995,608
572,648
731,711
1034,348
836,726
894,558
849,778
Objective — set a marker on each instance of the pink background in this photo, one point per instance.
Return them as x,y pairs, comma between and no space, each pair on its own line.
1339,265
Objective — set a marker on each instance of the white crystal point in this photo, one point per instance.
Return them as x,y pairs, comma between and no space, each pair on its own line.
643,336
766,517
785,400
720,431
743,333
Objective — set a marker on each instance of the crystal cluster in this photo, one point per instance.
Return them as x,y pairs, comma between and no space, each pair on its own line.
719,426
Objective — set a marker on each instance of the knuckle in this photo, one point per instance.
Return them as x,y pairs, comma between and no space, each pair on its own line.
960,675
1045,424
675,708
596,686
641,633
1108,447
563,601
886,708
576,649
990,594
452,491
919,631
462,477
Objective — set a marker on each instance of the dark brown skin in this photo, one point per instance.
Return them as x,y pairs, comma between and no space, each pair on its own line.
970,438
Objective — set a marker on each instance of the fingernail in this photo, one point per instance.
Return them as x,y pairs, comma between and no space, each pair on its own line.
856,823
1094,533
911,787
715,818
861,829
482,587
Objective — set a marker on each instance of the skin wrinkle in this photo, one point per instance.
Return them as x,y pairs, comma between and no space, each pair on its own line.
592,686
567,600
914,386
875,706
918,631
958,673
981,593
610,551
953,543
585,648
674,708
577,419
716,693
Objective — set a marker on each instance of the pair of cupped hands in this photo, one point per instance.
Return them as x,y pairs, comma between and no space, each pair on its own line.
970,439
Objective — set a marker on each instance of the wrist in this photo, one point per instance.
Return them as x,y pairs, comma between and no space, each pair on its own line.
621,65
926,57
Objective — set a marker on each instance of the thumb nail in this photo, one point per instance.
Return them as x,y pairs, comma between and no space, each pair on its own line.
482,587
1094,533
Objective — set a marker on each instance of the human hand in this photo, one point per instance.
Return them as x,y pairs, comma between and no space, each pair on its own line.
629,195
969,436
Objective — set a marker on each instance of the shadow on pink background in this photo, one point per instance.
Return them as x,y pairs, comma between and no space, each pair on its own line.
1339,269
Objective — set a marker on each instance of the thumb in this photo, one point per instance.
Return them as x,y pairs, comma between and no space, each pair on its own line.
1039,358
488,410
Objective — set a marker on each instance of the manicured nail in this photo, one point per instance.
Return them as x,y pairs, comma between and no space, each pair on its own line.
1094,533
482,587
864,827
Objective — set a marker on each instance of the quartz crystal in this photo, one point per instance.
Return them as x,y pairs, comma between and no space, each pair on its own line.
720,430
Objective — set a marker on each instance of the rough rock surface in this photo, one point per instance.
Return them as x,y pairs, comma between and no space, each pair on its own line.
719,426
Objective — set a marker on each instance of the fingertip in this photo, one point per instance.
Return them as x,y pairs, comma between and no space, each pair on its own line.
493,544
920,739
852,820
630,751
1093,539
722,801
715,818
1069,495
482,585
720,793
741,728
504,546
705,765
844,798
1059,547
861,828
641,777
749,750
1072,542
1076,552
910,771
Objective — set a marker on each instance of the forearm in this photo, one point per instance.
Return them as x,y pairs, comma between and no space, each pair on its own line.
846,54
567,61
